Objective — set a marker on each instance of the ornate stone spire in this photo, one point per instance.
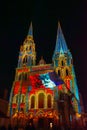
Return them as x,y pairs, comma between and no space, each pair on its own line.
27,55
60,42
30,32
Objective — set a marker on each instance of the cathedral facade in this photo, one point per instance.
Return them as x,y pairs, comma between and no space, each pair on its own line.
45,93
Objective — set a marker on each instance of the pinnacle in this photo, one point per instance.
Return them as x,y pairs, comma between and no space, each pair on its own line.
30,32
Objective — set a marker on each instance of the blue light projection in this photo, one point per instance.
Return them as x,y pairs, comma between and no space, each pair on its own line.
55,78
60,42
30,32
46,81
50,80
76,90
75,85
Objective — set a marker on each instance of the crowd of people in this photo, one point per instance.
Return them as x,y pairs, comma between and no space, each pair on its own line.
30,126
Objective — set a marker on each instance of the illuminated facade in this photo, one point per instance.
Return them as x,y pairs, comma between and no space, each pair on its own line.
45,90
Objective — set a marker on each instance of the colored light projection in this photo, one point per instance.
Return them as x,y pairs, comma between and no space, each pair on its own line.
55,78
16,87
24,89
60,87
35,81
68,84
47,80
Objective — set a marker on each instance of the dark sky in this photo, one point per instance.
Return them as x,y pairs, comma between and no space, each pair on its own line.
44,14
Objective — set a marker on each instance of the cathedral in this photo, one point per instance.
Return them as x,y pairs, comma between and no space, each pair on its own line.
45,95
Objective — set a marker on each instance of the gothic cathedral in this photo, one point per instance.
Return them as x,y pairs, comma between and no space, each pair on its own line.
45,94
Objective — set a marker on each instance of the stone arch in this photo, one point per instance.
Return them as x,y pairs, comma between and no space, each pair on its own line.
27,48
40,112
30,47
33,101
62,63
41,96
25,59
58,71
41,100
15,98
22,98
67,71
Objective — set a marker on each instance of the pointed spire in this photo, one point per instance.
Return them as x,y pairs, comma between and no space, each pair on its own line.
60,41
61,51
30,32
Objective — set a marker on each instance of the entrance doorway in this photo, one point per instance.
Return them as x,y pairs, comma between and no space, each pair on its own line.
41,122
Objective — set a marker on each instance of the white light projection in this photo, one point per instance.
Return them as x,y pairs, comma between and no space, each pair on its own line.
46,81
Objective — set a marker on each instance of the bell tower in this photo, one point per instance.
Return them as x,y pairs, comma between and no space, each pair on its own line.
27,54
63,65
27,58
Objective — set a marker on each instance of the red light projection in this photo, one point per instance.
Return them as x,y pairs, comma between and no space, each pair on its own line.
23,91
68,84
36,82
16,87
60,87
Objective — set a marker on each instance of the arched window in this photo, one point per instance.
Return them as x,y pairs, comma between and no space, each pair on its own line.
59,73
22,99
20,77
25,60
41,100
32,101
62,63
67,72
15,99
30,48
27,48
49,101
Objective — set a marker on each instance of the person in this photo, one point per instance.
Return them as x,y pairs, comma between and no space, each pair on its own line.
9,127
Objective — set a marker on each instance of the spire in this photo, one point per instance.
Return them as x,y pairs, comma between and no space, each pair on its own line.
61,51
30,32
60,42
42,61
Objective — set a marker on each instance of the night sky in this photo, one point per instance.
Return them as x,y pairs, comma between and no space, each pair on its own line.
15,19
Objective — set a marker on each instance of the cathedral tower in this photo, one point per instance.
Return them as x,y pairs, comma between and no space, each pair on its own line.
27,59
27,54
63,65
